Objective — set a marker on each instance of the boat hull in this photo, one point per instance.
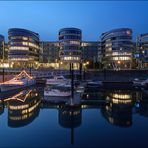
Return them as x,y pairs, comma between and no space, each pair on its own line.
57,94
4,88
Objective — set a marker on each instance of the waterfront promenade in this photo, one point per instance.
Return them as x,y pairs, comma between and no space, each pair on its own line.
103,75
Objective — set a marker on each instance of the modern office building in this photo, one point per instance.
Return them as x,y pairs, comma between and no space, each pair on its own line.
70,46
6,48
3,53
142,47
89,51
1,47
23,47
99,54
117,48
50,51
49,56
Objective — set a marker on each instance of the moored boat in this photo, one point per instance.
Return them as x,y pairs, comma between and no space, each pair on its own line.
20,81
57,80
61,90
56,93
140,83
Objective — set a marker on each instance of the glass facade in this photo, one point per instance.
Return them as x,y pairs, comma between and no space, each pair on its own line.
114,51
117,48
23,45
1,46
50,52
142,45
90,51
70,49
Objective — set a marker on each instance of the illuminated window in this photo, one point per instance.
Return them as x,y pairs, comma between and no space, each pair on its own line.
25,38
71,58
25,43
18,48
121,58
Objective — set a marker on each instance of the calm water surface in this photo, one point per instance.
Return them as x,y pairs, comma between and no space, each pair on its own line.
111,118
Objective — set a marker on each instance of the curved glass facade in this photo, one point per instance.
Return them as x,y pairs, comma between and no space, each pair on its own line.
70,42
1,38
23,45
142,44
117,48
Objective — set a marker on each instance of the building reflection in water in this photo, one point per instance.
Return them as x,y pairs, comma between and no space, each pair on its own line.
70,117
23,108
116,107
1,107
142,104
92,94
119,111
93,98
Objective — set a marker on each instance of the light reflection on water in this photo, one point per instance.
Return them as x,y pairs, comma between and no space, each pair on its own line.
116,116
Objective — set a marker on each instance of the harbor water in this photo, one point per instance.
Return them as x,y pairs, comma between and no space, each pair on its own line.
103,118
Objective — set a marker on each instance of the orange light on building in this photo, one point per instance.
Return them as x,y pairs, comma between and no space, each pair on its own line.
87,62
119,62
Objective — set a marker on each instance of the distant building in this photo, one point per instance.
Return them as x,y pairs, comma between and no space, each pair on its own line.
3,53
117,48
70,46
142,47
23,47
1,46
100,52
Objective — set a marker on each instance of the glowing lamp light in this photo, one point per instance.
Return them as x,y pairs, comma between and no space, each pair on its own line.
119,62
87,62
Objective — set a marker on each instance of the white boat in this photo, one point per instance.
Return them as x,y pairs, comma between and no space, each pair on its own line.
66,86
145,83
140,83
137,82
57,80
20,81
57,93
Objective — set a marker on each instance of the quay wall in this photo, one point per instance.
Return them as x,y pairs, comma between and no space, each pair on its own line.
121,75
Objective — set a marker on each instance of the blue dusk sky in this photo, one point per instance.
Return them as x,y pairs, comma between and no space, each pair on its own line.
93,17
